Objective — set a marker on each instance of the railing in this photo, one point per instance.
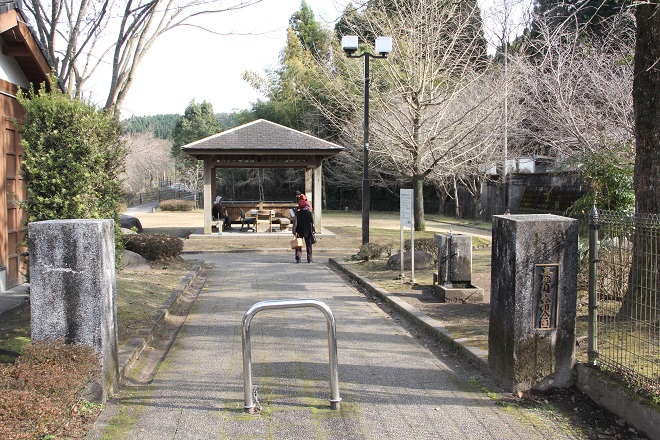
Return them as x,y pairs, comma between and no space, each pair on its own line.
624,296
250,405
158,195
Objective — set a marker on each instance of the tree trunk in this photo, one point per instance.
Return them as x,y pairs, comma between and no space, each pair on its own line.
457,212
644,276
646,102
478,209
418,208
442,197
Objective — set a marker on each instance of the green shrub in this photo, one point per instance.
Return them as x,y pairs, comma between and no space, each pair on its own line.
373,251
177,205
154,246
73,157
41,391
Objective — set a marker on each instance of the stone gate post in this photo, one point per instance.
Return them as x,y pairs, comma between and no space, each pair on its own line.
531,342
72,288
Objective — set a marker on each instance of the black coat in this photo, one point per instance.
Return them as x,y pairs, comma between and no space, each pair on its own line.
304,223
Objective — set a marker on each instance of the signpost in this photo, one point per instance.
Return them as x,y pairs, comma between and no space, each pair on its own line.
407,220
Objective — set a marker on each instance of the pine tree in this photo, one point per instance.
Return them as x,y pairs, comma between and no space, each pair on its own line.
311,35
587,15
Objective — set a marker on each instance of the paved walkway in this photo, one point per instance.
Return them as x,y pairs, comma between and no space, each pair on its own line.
391,385
14,297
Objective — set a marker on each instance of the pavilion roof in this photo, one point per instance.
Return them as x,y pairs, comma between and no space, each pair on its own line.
262,137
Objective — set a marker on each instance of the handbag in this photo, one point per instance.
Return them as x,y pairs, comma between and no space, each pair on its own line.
296,242
313,237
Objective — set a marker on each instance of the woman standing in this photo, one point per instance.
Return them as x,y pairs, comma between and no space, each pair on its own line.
303,227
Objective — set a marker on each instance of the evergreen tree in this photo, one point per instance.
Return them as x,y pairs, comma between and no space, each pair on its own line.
288,104
160,125
352,22
312,37
197,122
235,118
593,16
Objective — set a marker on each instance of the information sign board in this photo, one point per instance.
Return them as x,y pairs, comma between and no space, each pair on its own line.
406,207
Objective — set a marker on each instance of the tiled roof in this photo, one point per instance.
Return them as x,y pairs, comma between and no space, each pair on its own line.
265,136
6,6
35,61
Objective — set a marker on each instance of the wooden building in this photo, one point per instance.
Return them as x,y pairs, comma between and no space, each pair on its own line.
22,61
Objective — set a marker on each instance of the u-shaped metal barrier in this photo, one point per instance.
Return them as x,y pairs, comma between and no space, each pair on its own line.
287,304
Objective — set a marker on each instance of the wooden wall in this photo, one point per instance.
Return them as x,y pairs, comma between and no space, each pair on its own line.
12,188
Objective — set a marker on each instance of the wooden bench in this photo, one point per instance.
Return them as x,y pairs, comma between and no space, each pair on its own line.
264,217
284,223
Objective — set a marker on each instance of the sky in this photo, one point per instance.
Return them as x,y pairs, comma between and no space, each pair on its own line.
187,63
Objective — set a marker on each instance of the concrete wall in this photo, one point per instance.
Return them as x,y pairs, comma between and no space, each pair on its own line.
555,184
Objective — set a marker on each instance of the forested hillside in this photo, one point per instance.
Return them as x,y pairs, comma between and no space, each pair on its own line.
160,125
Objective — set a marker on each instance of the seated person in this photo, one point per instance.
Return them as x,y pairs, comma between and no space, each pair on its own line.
219,212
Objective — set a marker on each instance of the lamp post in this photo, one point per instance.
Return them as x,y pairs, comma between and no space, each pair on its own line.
349,44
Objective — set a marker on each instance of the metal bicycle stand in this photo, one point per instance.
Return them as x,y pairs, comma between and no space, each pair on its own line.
288,304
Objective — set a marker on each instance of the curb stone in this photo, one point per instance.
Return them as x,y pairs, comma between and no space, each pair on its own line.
477,356
612,396
132,349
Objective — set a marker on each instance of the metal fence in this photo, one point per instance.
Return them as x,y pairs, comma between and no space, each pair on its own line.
624,289
158,195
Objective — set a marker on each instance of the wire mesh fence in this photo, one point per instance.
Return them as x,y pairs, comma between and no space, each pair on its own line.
626,284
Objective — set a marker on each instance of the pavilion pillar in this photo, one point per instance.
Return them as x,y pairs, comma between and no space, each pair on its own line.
214,179
208,201
318,180
309,184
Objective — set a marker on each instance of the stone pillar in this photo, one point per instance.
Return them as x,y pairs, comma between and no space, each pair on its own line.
455,269
531,341
72,288
208,201
454,258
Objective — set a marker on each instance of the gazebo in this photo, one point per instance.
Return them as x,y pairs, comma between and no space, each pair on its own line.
263,144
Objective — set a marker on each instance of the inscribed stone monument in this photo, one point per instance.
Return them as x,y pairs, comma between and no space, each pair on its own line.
531,340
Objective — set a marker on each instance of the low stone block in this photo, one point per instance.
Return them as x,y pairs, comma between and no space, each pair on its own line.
468,294
454,258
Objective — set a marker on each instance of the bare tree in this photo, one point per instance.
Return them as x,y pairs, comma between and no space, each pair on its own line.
148,160
81,35
577,92
433,104
504,21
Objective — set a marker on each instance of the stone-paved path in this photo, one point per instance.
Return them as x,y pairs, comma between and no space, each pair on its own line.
392,386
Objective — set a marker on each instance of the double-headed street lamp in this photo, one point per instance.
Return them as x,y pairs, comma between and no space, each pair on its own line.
383,47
